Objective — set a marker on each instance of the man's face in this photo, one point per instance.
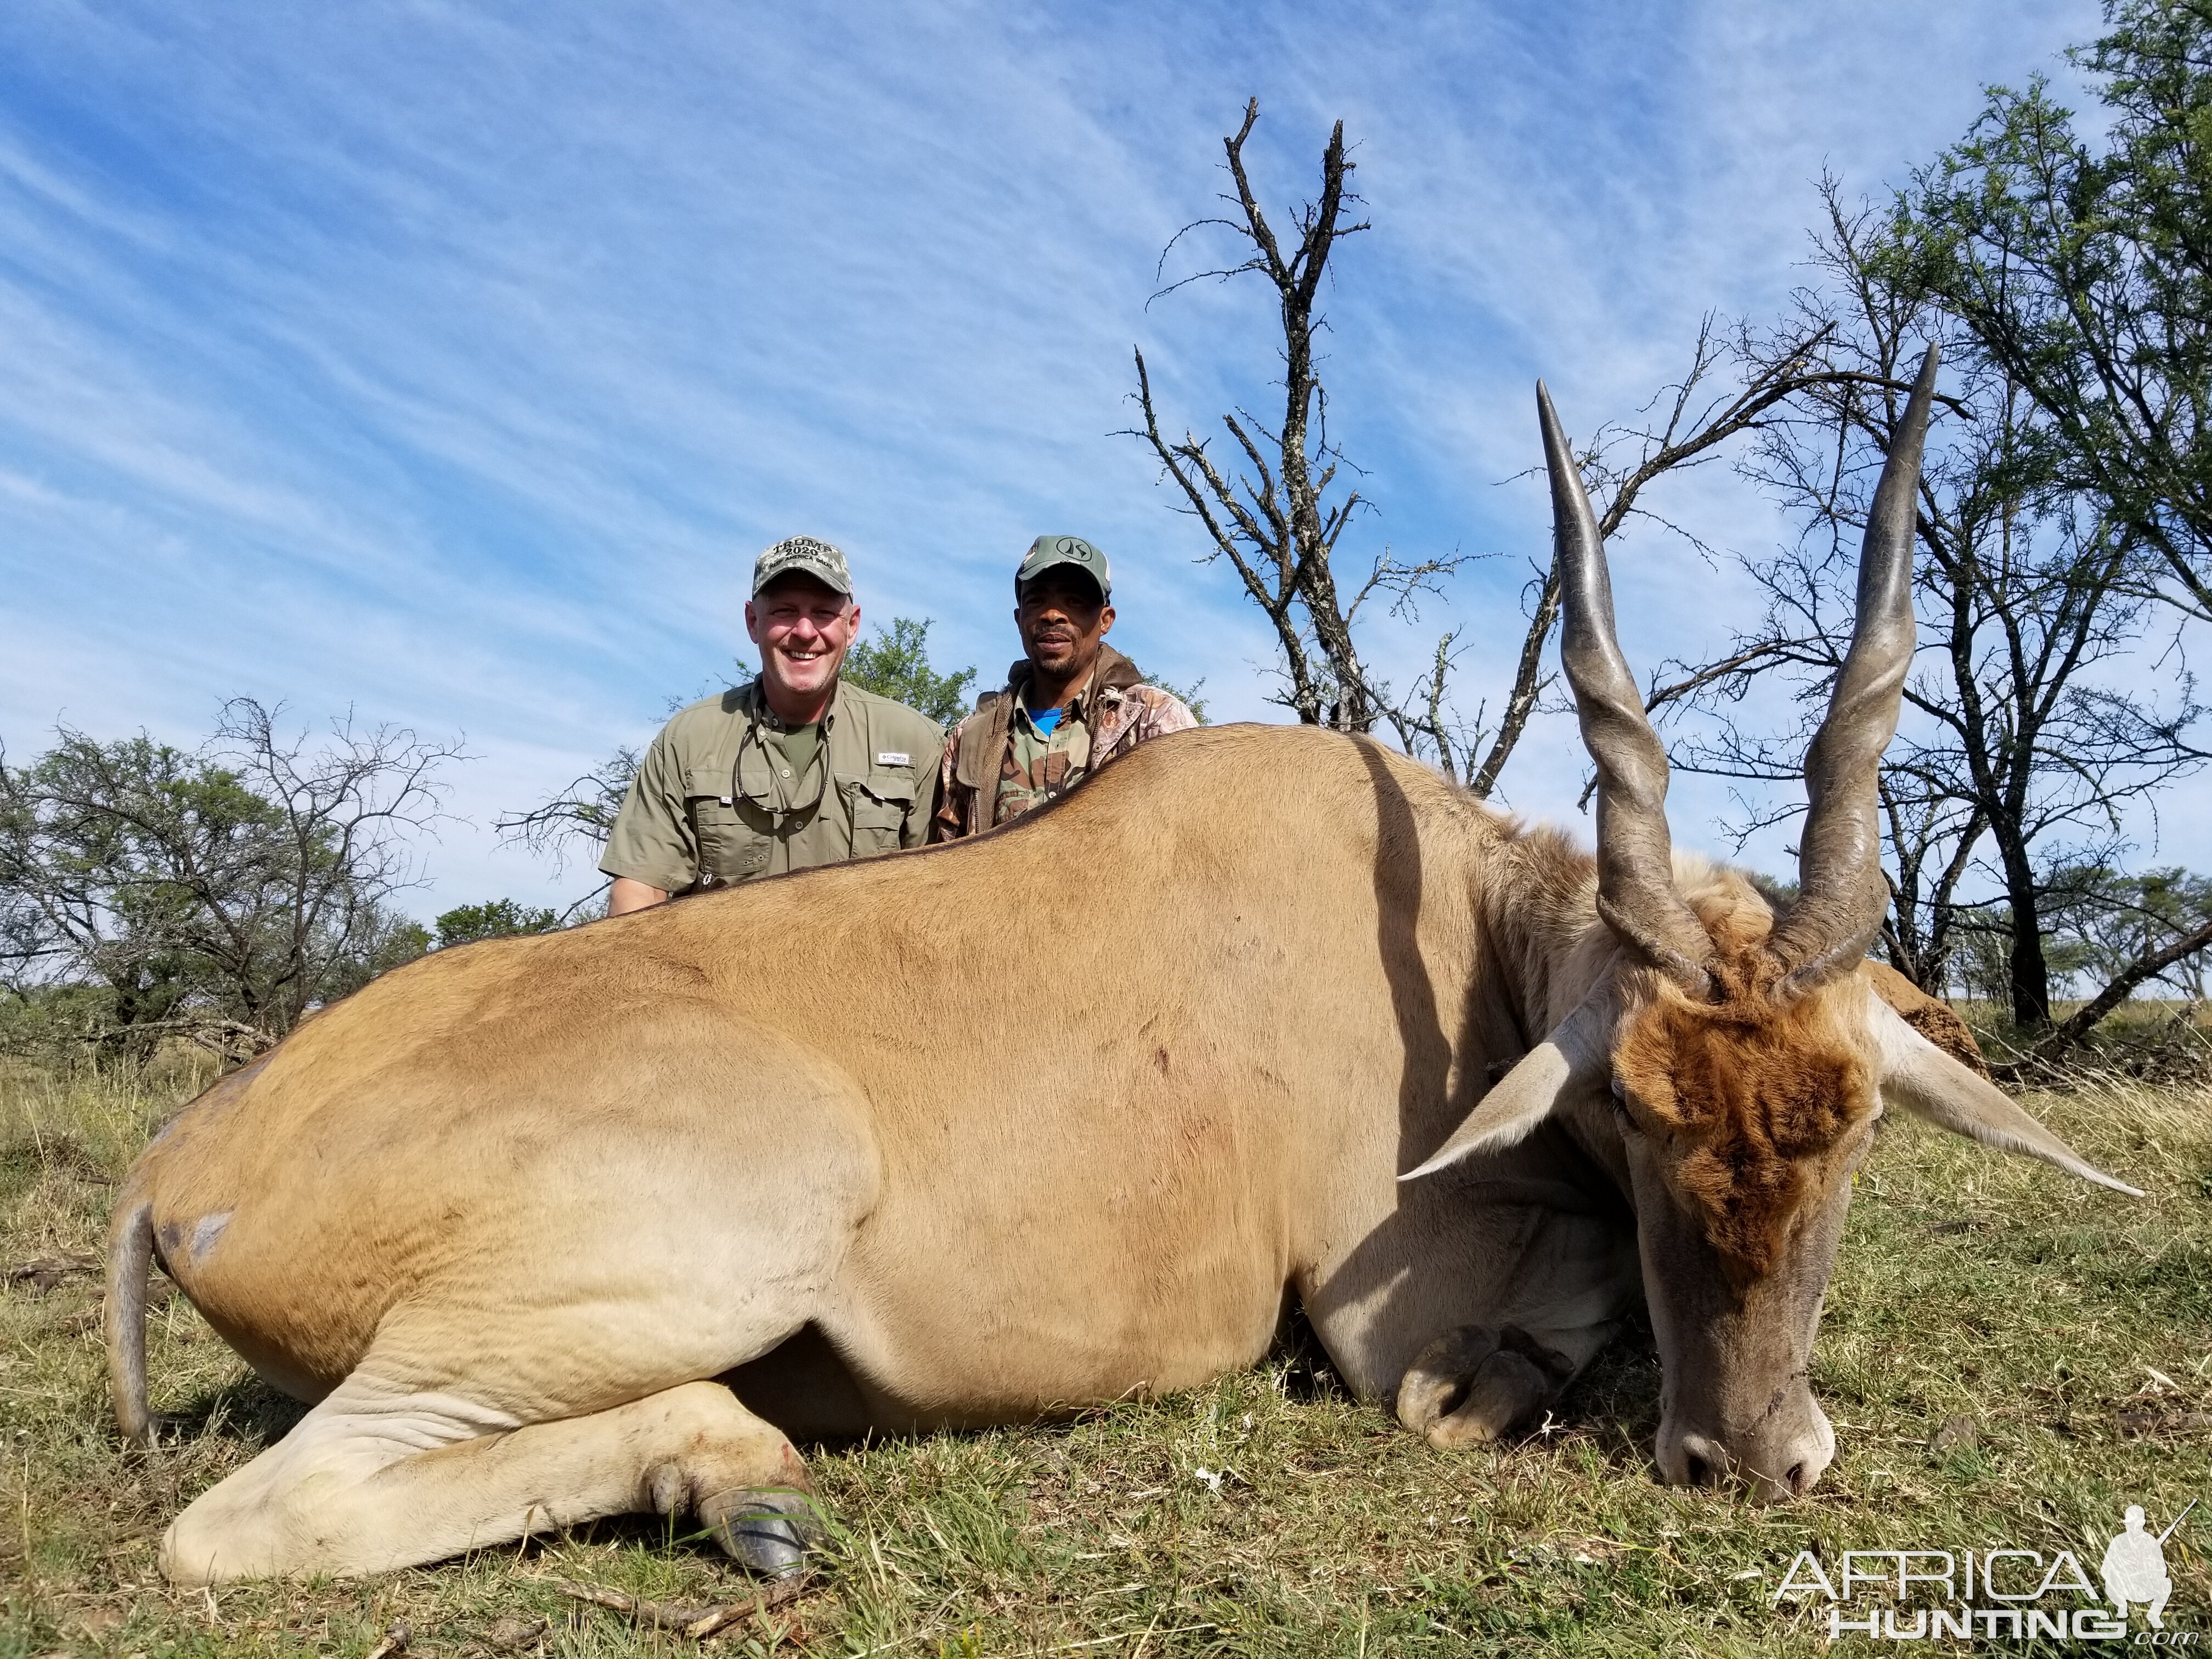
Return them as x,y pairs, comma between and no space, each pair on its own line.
1062,619
803,627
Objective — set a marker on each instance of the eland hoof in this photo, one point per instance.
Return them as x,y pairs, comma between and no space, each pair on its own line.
764,1531
1473,1385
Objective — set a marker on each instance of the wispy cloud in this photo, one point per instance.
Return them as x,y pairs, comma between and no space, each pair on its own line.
450,363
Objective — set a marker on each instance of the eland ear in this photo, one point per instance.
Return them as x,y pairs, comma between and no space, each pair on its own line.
1577,1049
1929,1084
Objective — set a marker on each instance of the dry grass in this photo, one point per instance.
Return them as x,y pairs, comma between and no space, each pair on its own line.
1266,1514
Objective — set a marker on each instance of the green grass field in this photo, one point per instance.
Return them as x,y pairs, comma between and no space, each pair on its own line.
2065,1334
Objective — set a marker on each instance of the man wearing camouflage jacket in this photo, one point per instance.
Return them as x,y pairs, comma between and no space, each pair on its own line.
1072,704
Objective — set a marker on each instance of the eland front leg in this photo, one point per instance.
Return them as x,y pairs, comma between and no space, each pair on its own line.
1477,1384
1484,1293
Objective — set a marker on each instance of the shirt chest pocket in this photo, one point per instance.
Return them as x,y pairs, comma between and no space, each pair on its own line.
731,848
880,805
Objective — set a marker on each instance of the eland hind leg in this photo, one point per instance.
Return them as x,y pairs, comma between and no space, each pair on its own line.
573,1278
375,1479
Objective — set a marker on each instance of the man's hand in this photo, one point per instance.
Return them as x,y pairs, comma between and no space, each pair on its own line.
628,896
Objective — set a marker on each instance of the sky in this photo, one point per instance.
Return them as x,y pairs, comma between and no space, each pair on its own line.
448,365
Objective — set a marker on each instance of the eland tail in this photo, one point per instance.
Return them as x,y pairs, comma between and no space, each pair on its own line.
130,1261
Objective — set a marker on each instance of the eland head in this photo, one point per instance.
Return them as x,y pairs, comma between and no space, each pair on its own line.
1742,1060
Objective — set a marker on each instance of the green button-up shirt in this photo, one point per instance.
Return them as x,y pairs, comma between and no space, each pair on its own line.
713,802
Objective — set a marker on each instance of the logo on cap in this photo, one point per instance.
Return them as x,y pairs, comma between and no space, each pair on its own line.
816,558
1047,551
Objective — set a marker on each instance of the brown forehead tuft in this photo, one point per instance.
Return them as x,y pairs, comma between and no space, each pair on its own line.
1750,1094
1738,918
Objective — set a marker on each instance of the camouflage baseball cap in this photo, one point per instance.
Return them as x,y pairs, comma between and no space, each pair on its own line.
803,553
1047,551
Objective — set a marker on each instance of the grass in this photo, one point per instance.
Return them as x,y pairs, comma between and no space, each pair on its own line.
1267,1515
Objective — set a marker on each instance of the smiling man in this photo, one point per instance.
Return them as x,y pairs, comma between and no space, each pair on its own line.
1072,704
794,769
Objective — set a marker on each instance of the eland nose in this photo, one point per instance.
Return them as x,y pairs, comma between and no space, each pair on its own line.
1773,1462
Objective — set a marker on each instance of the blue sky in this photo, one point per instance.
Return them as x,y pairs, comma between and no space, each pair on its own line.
450,364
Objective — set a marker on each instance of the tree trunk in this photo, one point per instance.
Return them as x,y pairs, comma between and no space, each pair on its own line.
2031,973
2147,966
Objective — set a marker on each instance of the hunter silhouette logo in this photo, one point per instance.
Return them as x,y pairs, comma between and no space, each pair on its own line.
1918,1593
2134,1568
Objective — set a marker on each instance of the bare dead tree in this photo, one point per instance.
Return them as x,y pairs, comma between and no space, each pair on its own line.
1425,721
1932,837
578,818
1270,515
349,804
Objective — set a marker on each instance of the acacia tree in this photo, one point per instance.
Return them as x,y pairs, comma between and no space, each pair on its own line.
582,815
895,663
467,924
2025,746
2084,272
1271,514
218,893
2132,930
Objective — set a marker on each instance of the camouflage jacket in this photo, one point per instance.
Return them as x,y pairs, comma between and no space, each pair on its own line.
1117,709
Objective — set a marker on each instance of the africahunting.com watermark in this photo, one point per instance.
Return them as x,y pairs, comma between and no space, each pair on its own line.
1913,1594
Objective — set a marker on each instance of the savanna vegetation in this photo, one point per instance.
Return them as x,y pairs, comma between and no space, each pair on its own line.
2010,1358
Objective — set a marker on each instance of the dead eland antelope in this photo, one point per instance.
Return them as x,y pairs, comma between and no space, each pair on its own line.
561,1226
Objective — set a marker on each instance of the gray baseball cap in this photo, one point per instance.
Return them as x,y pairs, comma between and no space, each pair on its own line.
815,558
1047,551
